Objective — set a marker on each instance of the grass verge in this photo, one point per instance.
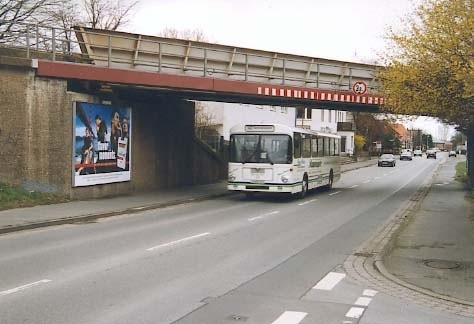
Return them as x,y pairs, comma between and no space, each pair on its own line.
14,197
461,176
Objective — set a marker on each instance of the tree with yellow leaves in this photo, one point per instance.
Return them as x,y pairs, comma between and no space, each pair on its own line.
429,68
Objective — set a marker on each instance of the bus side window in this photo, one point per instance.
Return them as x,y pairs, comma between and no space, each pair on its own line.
331,146
320,146
314,146
326,146
306,147
297,145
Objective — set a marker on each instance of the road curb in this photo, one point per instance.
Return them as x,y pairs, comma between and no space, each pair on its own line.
91,217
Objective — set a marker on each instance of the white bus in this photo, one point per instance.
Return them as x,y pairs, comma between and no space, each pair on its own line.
280,159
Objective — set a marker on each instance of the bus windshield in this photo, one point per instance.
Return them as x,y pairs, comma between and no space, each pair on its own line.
260,148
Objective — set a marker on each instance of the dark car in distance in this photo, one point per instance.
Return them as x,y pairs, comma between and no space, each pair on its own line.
431,154
386,160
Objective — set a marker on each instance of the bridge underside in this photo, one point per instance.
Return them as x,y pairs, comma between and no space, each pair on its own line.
143,83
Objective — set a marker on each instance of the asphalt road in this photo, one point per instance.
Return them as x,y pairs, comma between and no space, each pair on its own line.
227,260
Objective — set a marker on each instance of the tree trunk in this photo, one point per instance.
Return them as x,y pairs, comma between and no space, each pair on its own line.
470,157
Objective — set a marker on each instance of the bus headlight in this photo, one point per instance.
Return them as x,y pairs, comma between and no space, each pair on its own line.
284,178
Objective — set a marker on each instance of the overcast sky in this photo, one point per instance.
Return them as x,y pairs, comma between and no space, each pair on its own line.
350,30
347,30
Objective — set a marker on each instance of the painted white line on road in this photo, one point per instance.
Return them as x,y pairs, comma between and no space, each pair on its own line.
264,215
329,281
289,317
354,186
385,174
367,181
355,312
307,202
178,241
334,193
138,208
17,289
376,178
370,292
347,322
392,171
363,301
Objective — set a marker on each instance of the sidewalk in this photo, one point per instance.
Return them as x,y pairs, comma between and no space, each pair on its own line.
435,247
78,211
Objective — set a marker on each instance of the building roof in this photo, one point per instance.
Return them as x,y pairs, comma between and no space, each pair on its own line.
400,130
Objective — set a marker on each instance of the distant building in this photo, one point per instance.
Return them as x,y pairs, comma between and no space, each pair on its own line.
403,135
223,116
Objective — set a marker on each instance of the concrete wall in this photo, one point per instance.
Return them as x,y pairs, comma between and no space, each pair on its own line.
36,138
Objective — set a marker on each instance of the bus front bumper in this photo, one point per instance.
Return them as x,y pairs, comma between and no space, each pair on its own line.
264,187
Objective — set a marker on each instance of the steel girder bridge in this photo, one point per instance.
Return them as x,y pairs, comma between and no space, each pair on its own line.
197,70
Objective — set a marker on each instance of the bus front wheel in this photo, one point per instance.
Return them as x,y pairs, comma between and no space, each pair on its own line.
304,188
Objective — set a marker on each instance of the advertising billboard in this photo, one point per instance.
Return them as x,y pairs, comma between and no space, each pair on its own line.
101,144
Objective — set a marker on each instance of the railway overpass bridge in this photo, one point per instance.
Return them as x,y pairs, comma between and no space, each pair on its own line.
203,71
46,74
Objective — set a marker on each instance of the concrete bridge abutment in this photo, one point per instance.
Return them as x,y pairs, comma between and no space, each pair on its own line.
36,136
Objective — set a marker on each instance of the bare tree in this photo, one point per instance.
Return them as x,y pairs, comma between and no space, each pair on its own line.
107,14
14,14
188,34
204,120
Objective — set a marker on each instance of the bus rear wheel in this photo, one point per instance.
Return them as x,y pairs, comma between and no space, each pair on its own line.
331,180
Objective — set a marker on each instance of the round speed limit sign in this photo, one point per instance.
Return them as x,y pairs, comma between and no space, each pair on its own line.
359,87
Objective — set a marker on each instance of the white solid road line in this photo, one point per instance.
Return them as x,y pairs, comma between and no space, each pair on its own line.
367,181
355,312
354,186
264,215
17,289
334,193
289,317
178,241
329,281
307,202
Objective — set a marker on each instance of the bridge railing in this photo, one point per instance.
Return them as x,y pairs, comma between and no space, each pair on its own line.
184,57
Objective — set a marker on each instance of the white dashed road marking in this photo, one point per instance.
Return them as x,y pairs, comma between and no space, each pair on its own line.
329,281
355,312
367,181
289,317
370,292
178,241
334,193
363,301
354,186
264,215
17,289
307,202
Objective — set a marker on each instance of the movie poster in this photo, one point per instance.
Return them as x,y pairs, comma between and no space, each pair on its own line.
101,144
